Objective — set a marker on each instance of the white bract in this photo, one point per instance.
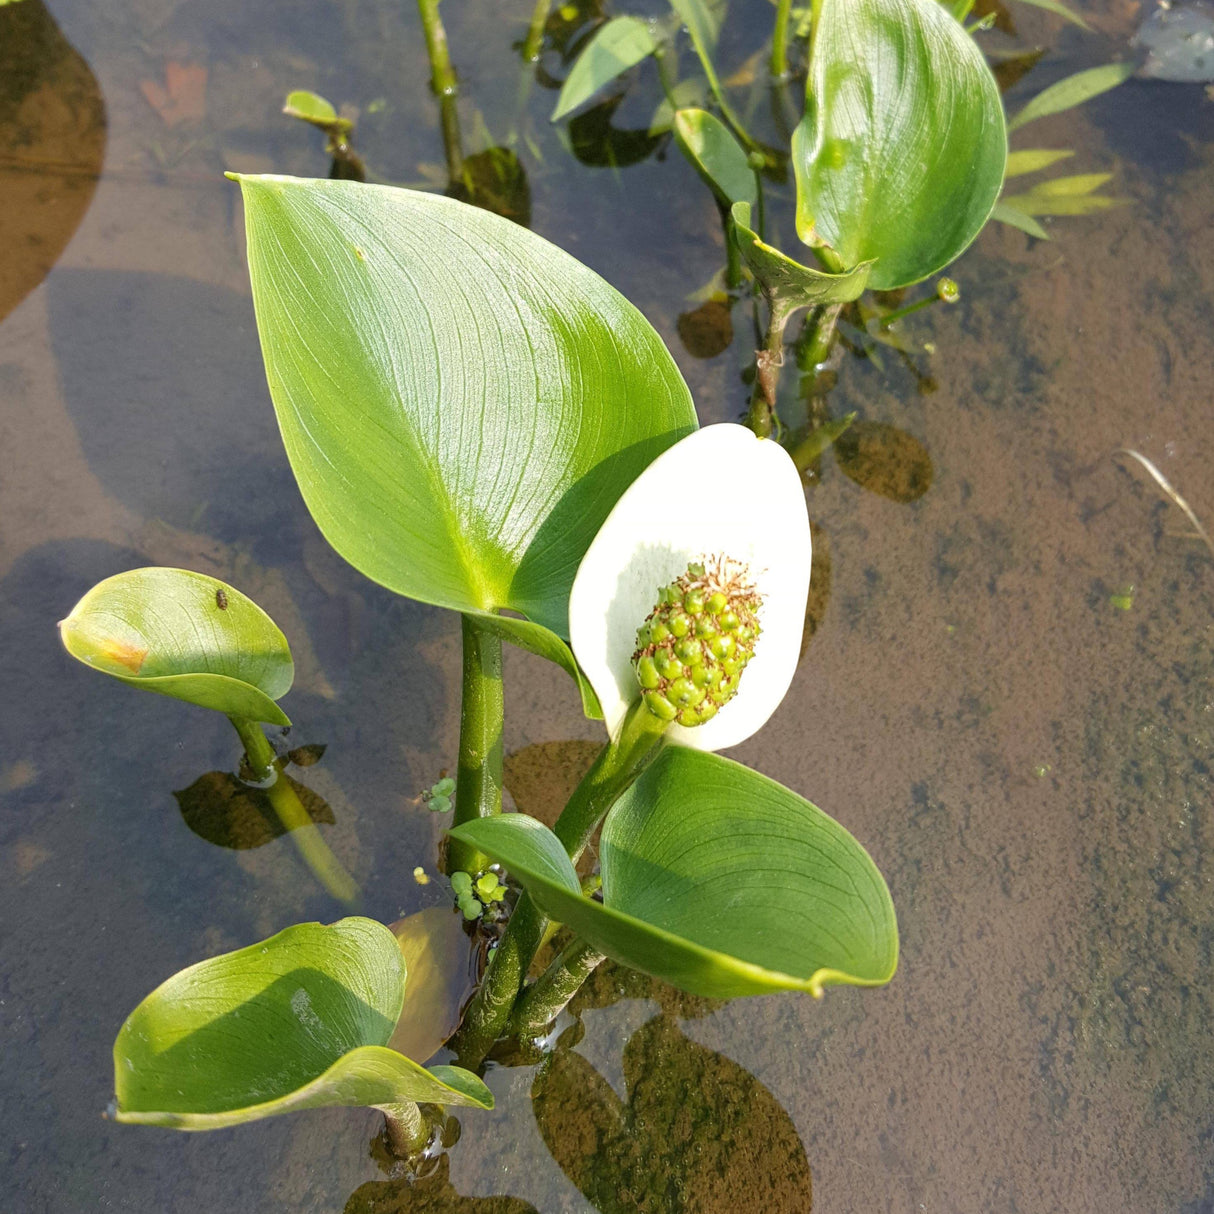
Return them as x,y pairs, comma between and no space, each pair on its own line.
720,492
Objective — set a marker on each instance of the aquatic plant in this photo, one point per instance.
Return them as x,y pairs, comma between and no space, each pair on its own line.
479,422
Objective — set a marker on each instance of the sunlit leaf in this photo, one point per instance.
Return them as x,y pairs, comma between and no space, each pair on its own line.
716,155
1071,187
1033,160
901,151
715,879
299,1021
461,402
787,283
311,107
185,635
615,47
1059,10
1072,91
1005,213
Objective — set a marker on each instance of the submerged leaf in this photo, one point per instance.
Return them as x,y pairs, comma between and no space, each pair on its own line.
1005,213
184,635
715,879
1033,160
301,1020
901,151
1072,91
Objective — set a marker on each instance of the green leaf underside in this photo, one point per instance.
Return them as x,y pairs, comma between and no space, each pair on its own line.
716,155
297,1021
615,47
164,630
1018,219
1072,91
715,879
901,151
462,402
787,283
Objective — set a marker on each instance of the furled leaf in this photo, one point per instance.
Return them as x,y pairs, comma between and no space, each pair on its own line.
616,46
185,635
1072,91
461,402
716,155
1033,160
1059,10
1018,219
787,283
301,1020
901,151
715,879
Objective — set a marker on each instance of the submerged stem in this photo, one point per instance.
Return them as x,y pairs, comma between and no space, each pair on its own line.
541,1002
619,763
303,832
478,787
445,85
405,1128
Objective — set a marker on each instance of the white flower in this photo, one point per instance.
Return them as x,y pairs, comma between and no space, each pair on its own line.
720,492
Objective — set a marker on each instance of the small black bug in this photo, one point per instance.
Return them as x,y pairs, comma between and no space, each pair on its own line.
221,599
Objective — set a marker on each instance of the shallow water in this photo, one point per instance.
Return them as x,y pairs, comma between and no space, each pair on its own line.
1028,760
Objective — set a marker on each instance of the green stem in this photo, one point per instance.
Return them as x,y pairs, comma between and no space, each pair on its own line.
446,87
295,820
535,31
891,317
733,259
406,1129
544,999
779,40
478,785
619,763
763,418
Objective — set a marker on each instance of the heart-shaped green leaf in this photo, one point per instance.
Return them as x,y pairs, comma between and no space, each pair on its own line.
787,284
462,403
901,151
615,47
299,1021
716,155
715,879
185,635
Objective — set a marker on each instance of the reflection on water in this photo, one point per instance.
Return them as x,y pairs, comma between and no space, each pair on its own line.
696,1132
52,139
431,1194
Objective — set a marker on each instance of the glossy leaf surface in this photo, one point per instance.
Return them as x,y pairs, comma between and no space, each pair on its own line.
715,879
716,155
185,635
787,283
461,402
901,151
301,1020
615,47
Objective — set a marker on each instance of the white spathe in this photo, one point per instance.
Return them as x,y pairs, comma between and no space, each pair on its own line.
720,491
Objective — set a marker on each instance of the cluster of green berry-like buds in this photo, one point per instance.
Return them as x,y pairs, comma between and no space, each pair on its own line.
694,645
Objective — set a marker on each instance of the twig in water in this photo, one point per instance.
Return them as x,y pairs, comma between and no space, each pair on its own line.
1199,532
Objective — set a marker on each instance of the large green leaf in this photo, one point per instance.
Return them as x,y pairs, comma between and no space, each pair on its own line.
185,635
787,284
715,879
901,151
461,401
298,1021
616,46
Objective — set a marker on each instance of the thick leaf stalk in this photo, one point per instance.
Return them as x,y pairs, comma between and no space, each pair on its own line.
546,998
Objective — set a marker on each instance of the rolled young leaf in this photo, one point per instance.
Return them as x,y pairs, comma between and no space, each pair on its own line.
901,151
185,635
301,1020
461,402
715,879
